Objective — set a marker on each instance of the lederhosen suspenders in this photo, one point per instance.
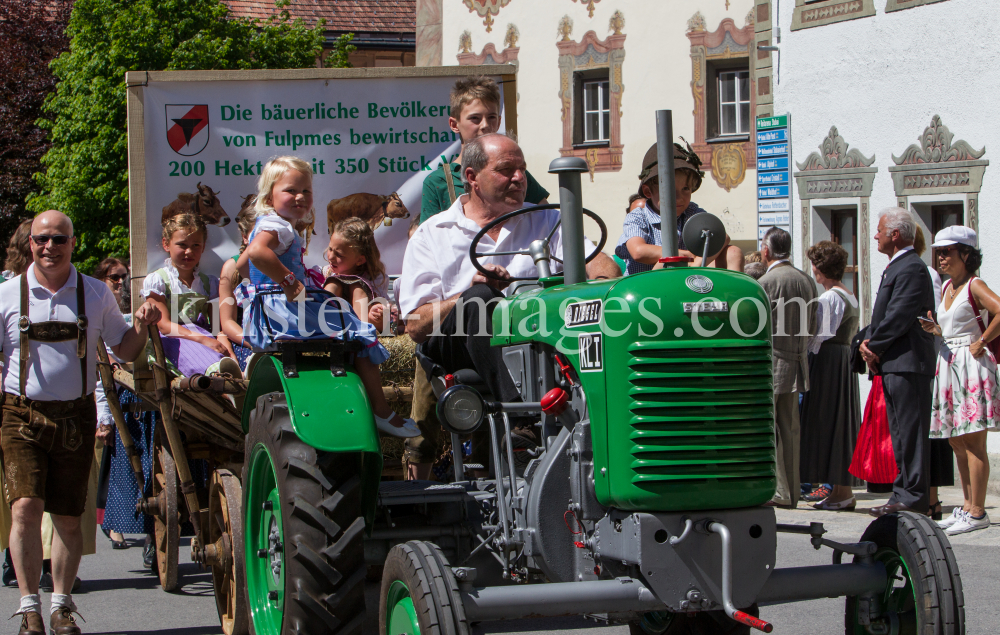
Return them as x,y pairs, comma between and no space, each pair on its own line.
54,332
450,180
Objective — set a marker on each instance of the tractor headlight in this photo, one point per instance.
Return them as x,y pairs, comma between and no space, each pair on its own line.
461,409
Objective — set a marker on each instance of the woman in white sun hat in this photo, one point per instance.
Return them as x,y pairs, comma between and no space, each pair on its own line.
966,400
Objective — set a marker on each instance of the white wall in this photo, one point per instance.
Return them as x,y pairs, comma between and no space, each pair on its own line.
656,75
881,79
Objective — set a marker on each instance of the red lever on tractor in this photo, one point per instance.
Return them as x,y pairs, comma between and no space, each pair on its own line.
449,380
565,368
753,622
554,402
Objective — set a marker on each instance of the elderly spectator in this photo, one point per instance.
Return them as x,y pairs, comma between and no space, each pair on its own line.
755,269
966,395
49,416
752,266
438,274
793,317
899,350
831,411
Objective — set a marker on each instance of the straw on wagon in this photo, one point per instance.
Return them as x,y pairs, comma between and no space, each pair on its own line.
397,382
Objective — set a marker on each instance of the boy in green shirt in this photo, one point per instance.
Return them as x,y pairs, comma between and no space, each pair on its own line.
475,111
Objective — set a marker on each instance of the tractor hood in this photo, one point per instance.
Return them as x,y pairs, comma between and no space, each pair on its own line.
676,367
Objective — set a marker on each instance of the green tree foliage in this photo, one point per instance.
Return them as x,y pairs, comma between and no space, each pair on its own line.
32,33
87,165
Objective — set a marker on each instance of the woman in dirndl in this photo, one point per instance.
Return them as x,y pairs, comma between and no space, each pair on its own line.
966,397
831,410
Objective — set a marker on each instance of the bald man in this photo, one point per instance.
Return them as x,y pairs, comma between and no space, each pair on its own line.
438,274
52,317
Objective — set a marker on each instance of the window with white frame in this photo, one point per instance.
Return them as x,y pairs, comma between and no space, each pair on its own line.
596,111
734,102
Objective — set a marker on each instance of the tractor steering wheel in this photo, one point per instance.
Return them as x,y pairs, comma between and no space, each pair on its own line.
538,250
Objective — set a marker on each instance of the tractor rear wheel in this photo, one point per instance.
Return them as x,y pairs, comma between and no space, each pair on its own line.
304,530
420,593
924,590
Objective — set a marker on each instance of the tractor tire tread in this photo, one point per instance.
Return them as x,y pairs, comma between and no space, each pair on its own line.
936,581
324,548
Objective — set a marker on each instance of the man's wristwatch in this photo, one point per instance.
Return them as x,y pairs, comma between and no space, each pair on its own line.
288,280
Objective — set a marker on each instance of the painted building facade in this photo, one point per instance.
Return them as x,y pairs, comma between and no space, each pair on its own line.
892,103
591,75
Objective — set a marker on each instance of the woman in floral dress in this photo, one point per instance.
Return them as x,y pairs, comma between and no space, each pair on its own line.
966,401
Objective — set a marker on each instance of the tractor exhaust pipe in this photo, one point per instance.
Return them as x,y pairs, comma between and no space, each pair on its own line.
665,168
569,170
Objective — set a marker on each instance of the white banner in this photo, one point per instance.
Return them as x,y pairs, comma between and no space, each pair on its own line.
377,135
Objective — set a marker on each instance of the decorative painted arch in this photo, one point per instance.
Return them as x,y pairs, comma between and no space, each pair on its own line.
593,53
726,161
486,10
838,171
940,165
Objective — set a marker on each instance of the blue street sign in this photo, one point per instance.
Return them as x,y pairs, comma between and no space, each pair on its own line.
772,164
771,136
777,191
776,150
772,178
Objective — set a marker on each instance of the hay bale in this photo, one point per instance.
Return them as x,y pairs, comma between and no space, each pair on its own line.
398,371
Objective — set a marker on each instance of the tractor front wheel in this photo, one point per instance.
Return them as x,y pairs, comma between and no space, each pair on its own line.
923,593
420,593
304,530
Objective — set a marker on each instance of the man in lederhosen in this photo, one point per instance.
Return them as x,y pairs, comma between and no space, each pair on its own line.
52,316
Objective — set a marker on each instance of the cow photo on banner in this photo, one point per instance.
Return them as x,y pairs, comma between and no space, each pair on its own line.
371,136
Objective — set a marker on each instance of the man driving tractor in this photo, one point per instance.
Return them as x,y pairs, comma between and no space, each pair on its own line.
438,273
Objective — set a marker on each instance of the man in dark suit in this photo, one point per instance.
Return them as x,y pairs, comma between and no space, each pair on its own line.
901,352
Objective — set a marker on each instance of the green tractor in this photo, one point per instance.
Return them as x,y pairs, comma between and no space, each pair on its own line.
642,504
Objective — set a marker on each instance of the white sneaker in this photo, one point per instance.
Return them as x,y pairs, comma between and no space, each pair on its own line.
968,523
408,430
956,516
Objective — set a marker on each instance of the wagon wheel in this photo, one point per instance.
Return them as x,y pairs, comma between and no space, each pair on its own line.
224,551
166,525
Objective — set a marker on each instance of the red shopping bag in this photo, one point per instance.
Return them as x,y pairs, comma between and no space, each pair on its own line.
873,459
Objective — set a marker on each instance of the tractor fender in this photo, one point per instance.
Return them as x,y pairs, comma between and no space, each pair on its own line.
329,413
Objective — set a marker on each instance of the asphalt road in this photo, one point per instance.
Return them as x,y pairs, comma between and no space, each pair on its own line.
120,597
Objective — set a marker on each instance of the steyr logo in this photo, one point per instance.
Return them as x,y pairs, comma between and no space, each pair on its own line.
699,284
187,128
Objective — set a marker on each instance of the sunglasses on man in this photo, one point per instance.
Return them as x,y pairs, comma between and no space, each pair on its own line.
57,239
117,277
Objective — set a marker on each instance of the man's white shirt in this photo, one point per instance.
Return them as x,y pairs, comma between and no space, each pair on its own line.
437,266
54,368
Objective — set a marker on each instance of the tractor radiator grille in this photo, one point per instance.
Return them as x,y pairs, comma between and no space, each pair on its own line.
701,415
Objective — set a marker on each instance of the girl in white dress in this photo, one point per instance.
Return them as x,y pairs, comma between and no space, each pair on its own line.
966,399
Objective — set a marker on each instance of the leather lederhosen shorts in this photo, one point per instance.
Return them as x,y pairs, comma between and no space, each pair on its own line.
47,451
